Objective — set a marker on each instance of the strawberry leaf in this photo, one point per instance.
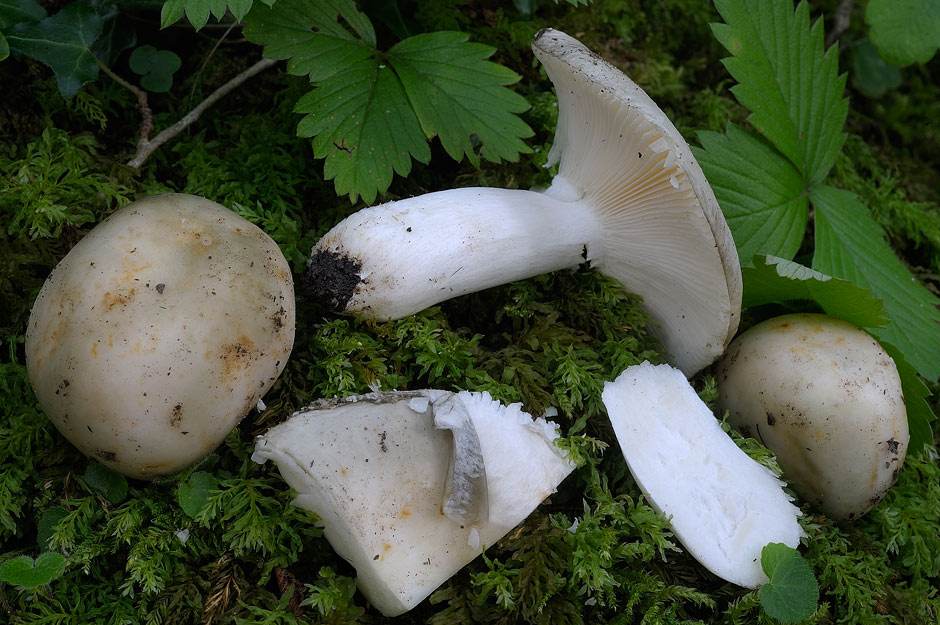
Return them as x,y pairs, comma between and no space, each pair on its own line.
787,81
852,246
198,11
904,31
25,572
760,192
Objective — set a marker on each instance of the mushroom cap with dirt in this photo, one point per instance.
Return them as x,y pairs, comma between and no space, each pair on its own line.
826,398
629,199
159,331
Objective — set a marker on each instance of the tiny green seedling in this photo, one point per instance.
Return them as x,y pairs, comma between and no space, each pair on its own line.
28,573
156,67
106,482
194,492
792,593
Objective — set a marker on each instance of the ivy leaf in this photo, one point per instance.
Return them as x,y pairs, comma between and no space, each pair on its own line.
28,573
792,593
19,11
156,67
63,42
773,279
194,492
787,81
111,484
760,192
197,11
372,112
904,31
852,246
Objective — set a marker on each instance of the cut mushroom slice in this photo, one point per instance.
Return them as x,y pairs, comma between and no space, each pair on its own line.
722,505
629,198
380,469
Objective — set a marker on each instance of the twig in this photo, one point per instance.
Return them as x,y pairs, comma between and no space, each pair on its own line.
146,147
146,124
843,19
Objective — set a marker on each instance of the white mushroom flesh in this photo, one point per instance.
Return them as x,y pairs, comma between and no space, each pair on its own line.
375,469
159,331
721,504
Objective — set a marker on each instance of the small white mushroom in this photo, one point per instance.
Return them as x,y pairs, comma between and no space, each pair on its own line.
629,198
382,470
827,400
722,505
159,331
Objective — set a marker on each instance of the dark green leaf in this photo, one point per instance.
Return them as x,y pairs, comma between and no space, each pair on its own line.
792,593
787,81
19,11
447,80
194,492
198,11
28,573
4,47
904,31
773,279
111,484
116,37
760,192
156,67
871,74
919,413
63,42
852,246
46,526
370,112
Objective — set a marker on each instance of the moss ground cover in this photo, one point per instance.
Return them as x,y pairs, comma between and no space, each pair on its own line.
220,543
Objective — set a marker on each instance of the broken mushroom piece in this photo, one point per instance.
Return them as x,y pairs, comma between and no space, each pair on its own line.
159,331
826,398
629,198
396,480
722,505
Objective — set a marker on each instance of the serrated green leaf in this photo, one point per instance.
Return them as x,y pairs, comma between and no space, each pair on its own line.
363,125
320,39
760,192
63,42
904,31
198,11
111,484
852,246
371,112
792,593
785,78
19,11
871,74
919,413
194,492
773,279
28,573
447,80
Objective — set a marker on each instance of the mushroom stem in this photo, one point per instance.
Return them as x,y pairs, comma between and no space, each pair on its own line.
410,254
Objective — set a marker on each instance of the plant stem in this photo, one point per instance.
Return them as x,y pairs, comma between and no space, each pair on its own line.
146,114
146,147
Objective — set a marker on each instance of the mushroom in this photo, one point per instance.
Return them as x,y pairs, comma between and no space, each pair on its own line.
159,331
410,486
629,198
826,398
722,505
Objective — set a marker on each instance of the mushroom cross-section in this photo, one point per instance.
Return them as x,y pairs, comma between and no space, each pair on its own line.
629,198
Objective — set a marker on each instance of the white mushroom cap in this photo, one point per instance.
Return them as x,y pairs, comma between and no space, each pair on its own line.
378,470
667,239
722,505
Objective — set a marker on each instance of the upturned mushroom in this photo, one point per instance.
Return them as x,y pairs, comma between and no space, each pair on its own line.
629,198
159,331
410,486
722,505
